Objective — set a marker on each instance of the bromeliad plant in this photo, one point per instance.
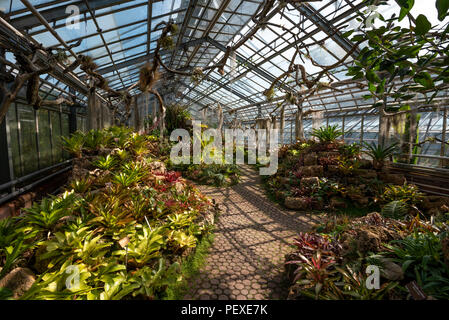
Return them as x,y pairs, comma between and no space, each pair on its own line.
124,227
421,257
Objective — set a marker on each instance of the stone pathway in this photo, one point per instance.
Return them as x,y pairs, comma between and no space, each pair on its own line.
252,237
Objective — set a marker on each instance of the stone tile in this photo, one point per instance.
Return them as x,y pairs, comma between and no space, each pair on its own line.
251,240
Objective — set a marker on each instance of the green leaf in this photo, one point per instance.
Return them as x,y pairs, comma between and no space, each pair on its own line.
422,25
442,7
406,6
372,76
347,33
424,79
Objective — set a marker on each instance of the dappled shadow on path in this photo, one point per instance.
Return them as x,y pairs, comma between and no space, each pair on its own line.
252,237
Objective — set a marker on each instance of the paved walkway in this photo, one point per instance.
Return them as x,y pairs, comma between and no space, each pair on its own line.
251,240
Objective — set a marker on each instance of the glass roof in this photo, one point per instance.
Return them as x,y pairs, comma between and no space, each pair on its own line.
127,39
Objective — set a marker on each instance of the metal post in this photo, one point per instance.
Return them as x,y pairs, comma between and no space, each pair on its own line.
91,109
6,174
362,128
36,124
72,115
136,114
443,138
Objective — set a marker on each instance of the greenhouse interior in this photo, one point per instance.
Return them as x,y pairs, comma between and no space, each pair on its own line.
224,150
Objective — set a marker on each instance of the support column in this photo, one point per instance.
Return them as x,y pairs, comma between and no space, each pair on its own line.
362,128
91,110
136,114
383,127
299,127
6,174
99,112
72,115
444,162
282,124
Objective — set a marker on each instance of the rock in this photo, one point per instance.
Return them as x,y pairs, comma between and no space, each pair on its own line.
333,169
362,201
280,195
365,164
104,151
366,173
434,202
361,240
328,154
390,270
311,171
353,180
18,281
393,178
337,203
310,183
310,159
297,203
359,199
317,204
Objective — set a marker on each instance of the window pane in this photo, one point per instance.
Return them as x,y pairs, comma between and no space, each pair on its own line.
28,138
14,138
44,139
65,132
56,137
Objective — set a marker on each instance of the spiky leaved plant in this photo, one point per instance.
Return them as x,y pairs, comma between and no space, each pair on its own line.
379,153
327,134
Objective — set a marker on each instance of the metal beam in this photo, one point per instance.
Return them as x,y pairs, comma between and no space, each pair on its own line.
188,15
145,58
57,13
321,22
19,42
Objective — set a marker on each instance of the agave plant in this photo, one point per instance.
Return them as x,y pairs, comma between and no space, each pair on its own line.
379,153
327,134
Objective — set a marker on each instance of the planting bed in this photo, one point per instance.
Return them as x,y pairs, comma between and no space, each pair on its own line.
121,230
372,219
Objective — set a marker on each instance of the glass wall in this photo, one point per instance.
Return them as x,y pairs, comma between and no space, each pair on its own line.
35,136
431,142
